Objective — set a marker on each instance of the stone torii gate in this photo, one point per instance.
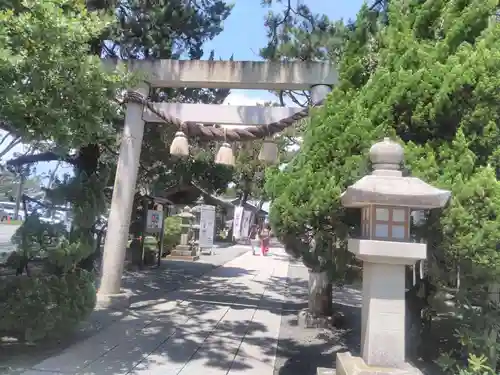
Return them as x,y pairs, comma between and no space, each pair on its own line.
190,118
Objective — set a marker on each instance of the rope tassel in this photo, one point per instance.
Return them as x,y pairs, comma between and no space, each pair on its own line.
225,154
269,152
180,145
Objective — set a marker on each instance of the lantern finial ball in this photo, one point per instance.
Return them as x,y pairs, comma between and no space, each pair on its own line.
386,155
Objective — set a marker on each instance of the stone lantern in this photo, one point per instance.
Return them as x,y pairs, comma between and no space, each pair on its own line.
185,250
386,200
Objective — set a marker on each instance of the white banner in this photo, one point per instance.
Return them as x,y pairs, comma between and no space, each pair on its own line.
155,219
238,216
207,227
245,226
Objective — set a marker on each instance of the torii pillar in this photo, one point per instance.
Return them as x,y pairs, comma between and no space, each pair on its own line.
314,76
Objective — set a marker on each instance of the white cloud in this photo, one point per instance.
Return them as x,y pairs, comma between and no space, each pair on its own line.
241,97
251,98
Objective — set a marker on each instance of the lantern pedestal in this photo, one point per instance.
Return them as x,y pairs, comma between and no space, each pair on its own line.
349,365
184,252
383,308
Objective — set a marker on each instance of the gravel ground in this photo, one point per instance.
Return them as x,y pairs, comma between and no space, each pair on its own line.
302,350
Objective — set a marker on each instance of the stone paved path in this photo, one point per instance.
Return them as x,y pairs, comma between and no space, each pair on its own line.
227,322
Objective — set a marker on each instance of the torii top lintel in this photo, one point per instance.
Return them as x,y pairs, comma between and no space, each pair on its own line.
260,75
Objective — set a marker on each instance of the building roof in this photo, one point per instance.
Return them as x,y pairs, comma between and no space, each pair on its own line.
188,193
252,204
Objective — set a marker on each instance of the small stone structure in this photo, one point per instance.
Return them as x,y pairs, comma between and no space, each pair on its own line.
185,250
386,199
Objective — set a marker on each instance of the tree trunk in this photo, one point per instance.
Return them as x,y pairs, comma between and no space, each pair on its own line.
244,197
87,162
19,194
492,339
320,294
413,320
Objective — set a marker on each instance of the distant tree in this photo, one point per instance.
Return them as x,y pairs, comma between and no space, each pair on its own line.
430,76
9,185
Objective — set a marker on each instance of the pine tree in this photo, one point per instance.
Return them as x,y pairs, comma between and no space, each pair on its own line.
306,192
430,76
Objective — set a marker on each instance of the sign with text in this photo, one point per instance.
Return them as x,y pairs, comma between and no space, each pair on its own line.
207,227
238,216
155,220
245,223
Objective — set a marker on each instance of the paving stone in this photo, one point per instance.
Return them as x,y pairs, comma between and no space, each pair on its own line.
214,357
226,323
122,359
170,357
235,322
40,372
78,356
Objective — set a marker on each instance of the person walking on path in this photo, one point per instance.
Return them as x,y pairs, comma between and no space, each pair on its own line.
265,239
254,234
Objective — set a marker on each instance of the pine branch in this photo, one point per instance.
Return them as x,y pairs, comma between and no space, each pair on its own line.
41,157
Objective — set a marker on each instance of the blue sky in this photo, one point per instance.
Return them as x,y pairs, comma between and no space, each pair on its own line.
244,34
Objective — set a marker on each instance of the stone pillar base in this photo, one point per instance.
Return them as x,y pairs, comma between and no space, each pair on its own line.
349,365
183,257
184,252
325,371
119,301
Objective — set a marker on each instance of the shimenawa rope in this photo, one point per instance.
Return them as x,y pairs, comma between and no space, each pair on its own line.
217,133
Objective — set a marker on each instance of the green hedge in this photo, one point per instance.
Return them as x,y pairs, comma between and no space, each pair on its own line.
45,306
172,233
150,250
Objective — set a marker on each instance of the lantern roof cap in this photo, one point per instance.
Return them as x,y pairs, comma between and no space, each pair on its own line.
386,155
387,186
185,213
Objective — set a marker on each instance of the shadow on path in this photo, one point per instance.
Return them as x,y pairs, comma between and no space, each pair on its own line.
302,350
149,287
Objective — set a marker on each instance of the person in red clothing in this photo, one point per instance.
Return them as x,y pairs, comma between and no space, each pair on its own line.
265,238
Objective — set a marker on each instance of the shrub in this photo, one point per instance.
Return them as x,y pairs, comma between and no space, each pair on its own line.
151,247
150,250
172,233
45,306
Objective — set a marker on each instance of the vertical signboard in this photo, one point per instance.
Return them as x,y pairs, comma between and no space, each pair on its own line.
155,219
238,216
245,225
207,227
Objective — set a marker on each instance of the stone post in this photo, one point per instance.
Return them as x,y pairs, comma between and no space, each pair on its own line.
110,294
383,312
386,199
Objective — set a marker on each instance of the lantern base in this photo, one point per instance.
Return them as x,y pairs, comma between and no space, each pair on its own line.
190,258
184,252
387,252
349,365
